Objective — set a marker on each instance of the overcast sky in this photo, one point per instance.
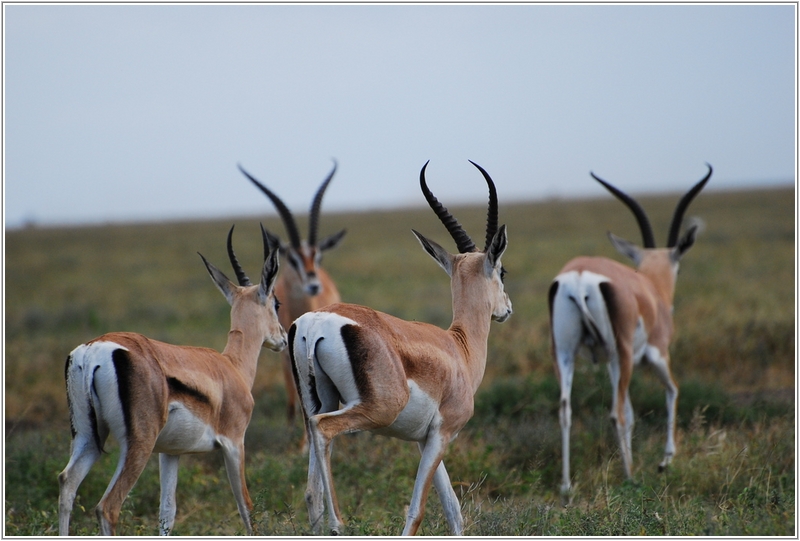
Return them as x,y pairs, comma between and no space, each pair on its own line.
142,112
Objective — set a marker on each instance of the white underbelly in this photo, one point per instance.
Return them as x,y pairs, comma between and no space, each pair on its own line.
184,433
415,421
640,344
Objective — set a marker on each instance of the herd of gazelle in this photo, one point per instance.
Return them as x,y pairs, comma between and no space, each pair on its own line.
358,369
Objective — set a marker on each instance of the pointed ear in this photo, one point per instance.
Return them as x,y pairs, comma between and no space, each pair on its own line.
272,242
626,248
685,242
268,275
220,280
496,249
331,241
442,257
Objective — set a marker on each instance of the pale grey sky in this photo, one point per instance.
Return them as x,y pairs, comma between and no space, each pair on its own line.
142,112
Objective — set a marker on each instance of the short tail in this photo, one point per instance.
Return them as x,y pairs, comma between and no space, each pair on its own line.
591,298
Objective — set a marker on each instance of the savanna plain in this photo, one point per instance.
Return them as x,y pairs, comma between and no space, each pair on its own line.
733,357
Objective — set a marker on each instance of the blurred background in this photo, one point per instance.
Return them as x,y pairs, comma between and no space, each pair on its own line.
117,113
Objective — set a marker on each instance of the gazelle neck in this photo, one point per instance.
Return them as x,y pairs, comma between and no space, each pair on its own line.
244,339
658,266
243,352
472,313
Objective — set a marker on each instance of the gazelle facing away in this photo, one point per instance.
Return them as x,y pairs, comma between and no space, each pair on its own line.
303,286
623,316
358,369
173,400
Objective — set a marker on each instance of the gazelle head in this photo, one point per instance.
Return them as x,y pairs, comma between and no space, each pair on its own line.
470,264
659,263
304,256
254,308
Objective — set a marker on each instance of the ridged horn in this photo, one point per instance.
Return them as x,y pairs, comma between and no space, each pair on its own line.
683,204
283,210
463,242
313,219
241,277
491,217
641,218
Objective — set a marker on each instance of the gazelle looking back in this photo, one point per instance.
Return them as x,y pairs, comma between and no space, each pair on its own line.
172,400
359,369
304,285
623,316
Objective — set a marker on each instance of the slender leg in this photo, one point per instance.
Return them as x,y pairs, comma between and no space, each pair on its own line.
132,462
321,445
621,410
661,367
565,368
233,454
168,474
314,492
432,452
450,505
84,454
567,330
323,428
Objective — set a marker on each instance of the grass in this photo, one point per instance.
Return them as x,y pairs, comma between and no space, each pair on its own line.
733,356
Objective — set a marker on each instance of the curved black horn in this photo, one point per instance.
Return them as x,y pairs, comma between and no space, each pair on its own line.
683,204
641,218
313,218
491,217
463,242
286,215
241,277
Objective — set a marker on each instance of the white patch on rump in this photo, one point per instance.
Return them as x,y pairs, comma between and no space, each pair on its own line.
92,374
322,334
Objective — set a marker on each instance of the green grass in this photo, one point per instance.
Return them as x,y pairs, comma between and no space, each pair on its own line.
733,356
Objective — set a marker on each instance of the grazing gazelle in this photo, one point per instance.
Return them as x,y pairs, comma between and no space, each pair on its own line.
622,315
358,369
172,400
303,286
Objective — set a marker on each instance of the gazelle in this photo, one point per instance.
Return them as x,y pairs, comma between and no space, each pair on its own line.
173,400
359,369
305,286
623,316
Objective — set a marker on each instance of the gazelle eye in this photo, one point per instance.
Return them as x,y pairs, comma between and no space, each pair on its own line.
277,304
503,273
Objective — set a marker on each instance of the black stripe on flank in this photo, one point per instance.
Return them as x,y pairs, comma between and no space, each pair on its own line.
124,369
358,354
176,386
610,299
